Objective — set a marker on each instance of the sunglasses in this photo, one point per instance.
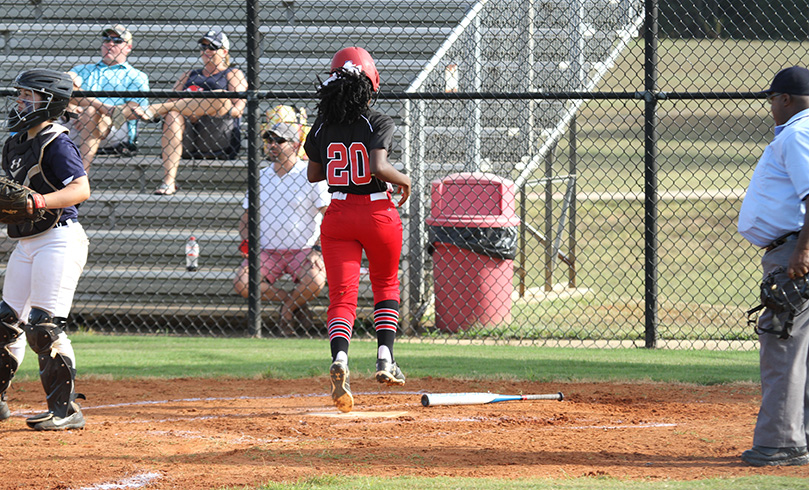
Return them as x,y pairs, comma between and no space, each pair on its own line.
276,139
113,40
772,96
209,47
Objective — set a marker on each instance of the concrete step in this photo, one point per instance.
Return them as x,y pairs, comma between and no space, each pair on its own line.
142,173
161,248
345,12
173,285
299,74
150,134
211,318
161,39
116,209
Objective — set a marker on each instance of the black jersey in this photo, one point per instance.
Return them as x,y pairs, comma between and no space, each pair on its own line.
344,151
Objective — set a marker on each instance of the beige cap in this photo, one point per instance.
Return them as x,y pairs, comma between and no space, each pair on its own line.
120,30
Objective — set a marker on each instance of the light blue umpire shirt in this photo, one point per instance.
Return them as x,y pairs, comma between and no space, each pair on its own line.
774,204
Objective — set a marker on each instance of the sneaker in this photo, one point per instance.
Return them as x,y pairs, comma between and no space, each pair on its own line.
388,372
776,456
4,411
340,389
49,421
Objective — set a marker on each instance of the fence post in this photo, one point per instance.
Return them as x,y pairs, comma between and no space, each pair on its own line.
650,172
253,160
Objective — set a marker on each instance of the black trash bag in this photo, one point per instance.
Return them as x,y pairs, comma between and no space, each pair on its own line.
498,243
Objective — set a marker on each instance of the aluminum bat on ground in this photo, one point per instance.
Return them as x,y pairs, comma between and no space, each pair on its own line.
432,399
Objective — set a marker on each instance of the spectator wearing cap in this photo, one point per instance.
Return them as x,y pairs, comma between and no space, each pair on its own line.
288,114
200,128
291,209
93,127
773,217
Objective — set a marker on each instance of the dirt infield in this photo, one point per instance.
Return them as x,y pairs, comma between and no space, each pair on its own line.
202,434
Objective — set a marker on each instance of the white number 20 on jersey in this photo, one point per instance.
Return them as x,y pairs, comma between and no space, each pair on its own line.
348,163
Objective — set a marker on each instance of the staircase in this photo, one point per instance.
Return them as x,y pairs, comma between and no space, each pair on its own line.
552,47
504,46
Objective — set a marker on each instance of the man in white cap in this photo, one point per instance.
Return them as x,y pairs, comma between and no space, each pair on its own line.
291,211
93,127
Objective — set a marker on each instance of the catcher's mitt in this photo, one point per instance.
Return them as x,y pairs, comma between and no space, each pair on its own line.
784,297
14,200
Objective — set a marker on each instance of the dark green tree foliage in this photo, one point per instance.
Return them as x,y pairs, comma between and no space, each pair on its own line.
731,19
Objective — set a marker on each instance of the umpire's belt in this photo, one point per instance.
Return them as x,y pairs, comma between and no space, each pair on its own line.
782,240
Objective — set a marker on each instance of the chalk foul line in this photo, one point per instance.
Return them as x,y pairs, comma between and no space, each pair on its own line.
136,481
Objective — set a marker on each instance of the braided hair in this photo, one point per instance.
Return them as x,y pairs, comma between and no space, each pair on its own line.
344,97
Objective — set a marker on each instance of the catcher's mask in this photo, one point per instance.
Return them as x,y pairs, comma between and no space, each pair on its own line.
358,59
54,87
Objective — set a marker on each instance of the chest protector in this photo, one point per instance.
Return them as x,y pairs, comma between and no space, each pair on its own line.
22,162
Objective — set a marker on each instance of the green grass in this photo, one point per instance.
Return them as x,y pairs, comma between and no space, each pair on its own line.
120,357
409,483
707,274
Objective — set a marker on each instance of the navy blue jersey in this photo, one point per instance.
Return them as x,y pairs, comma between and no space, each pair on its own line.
344,151
61,164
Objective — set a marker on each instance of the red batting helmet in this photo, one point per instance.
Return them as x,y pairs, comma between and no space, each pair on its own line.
360,58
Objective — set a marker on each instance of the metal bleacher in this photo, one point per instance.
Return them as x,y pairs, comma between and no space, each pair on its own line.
135,276
496,45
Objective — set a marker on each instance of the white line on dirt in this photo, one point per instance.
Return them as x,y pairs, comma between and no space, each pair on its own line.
610,427
22,413
136,481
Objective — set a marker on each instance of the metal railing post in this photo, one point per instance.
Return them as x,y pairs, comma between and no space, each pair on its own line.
571,235
549,256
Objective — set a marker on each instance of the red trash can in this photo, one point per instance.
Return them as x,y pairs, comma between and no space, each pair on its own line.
472,275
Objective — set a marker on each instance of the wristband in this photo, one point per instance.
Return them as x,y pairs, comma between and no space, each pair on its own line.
317,248
243,248
39,201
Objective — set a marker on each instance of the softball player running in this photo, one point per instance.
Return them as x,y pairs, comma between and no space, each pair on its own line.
45,265
348,146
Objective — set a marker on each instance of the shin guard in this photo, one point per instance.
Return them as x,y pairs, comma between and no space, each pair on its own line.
55,369
10,331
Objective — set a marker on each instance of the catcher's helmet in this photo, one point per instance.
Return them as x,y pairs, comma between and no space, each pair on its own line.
360,58
55,87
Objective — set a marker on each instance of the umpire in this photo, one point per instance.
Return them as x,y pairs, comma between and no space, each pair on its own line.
773,217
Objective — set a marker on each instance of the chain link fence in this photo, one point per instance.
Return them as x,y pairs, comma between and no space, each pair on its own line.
577,177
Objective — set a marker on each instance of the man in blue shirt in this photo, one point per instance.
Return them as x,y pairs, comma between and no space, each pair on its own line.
773,217
94,128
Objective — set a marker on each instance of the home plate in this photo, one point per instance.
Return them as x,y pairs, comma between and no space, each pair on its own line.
357,415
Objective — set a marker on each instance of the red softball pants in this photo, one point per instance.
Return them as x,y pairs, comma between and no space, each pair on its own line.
350,226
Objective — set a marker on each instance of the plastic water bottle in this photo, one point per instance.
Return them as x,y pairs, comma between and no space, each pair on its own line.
191,254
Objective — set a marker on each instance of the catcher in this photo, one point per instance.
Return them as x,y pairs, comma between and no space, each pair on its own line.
45,180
